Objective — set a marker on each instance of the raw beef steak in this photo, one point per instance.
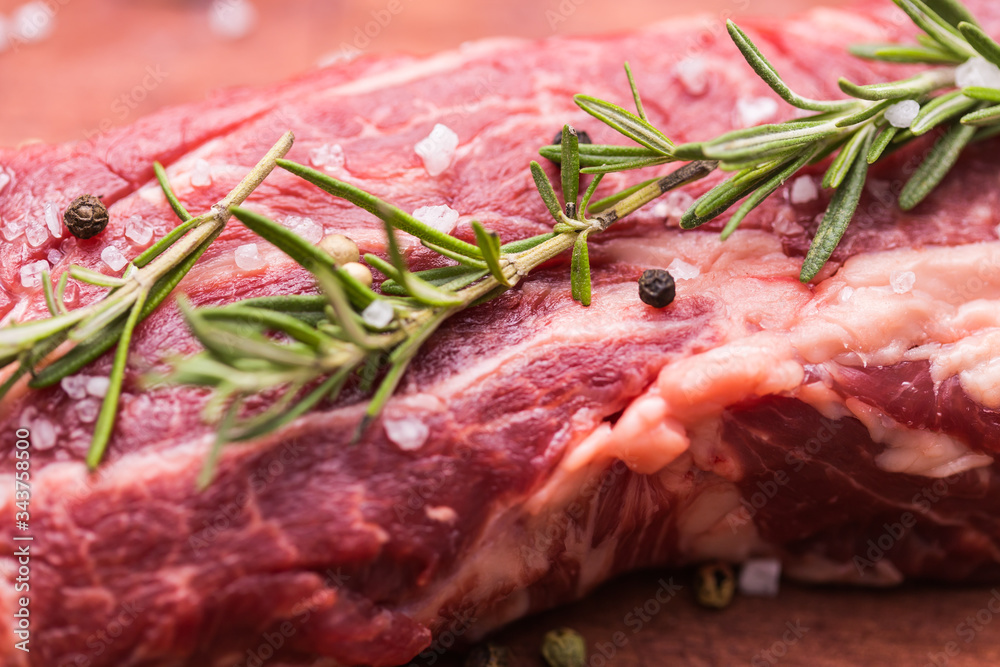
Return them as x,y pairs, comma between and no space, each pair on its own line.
536,448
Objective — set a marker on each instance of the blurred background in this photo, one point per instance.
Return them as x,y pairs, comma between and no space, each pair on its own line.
73,68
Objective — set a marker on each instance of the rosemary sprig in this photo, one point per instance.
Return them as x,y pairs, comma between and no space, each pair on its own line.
307,349
69,340
857,130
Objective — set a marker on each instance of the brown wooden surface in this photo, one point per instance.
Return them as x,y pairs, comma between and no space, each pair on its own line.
837,626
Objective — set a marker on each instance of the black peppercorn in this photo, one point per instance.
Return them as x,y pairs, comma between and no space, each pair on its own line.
581,136
86,217
656,288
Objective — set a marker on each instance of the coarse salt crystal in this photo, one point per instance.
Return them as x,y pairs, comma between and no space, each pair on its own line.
307,228
33,21
674,205
31,273
87,410
691,73
75,386
201,174
137,231
845,294
12,229
36,234
43,434
441,218
113,257
901,114
902,281
53,256
755,110
681,270
328,156
437,149
97,386
52,220
803,190
760,577
977,72
408,434
248,257
232,19
378,314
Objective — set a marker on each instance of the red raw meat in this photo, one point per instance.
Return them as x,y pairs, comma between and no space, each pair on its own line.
848,428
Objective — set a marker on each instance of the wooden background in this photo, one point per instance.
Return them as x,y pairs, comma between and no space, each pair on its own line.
68,85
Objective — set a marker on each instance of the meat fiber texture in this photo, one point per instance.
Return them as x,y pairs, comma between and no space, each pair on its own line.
536,447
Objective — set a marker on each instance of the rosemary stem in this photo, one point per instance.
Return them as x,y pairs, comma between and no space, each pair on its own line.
686,174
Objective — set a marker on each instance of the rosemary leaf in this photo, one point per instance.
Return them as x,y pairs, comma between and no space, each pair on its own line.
288,303
419,289
984,94
274,320
952,11
155,250
939,110
489,243
602,205
626,123
526,244
611,167
109,408
85,275
867,113
168,192
764,191
546,191
61,292
570,169
936,27
328,388
580,269
938,163
905,54
20,337
595,155
388,213
635,93
588,195
461,259
838,216
838,170
717,200
980,41
881,142
50,297
211,461
447,277
983,117
921,84
765,141
770,76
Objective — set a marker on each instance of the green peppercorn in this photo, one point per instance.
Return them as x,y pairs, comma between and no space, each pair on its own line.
488,655
715,585
564,648
86,217
656,288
